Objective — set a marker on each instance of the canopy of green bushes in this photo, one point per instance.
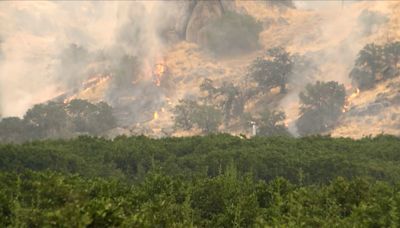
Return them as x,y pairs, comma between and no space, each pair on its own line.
211,181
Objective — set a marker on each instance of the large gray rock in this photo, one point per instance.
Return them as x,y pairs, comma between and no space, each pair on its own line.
194,15
203,13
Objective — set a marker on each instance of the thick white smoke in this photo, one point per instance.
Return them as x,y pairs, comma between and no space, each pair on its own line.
37,62
334,46
47,47
33,35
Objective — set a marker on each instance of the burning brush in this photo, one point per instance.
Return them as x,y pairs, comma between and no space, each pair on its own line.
349,99
155,116
89,86
158,72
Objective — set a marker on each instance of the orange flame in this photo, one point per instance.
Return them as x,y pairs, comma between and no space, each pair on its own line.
355,94
350,99
158,72
90,84
155,116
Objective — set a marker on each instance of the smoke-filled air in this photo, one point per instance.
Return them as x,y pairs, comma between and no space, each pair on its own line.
183,68
200,113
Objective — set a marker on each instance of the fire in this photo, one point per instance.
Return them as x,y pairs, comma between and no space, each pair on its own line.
88,85
349,99
158,72
155,116
355,94
95,81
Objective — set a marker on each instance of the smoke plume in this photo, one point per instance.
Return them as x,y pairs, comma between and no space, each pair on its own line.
339,32
49,48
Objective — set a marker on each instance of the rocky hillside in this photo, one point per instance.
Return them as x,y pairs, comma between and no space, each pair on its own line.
372,112
331,37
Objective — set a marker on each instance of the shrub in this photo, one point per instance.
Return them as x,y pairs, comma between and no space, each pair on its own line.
376,63
321,106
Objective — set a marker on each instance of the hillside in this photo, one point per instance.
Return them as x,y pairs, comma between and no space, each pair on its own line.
143,75
309,32
372,112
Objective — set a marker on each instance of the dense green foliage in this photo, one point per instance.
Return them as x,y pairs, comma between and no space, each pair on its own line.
321,106
226,102
232,33
280,68
271,123
212,181
190,114
58,120
321,102
376,63
319,159
272,70
228,97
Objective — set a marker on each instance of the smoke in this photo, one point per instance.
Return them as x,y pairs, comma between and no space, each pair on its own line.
34,34
338,33
141,41
50,48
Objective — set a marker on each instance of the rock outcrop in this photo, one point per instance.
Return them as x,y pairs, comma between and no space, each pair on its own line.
203,13
196,14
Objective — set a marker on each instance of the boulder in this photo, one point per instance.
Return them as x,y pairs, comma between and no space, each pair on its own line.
195,14
203,13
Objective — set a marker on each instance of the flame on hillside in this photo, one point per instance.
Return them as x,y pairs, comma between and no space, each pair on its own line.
89,85
155,116
349,99
159,115
354,95
158,72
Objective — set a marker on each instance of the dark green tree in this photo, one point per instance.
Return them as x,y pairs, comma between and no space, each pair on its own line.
48,120
90,118
208,87
6,210
391,55
58,120
103,118
271,123
272,70
207,118
226,200
376,63
80,111
12,129
321,106
230,98
367,66
233,103
183,114
189,114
